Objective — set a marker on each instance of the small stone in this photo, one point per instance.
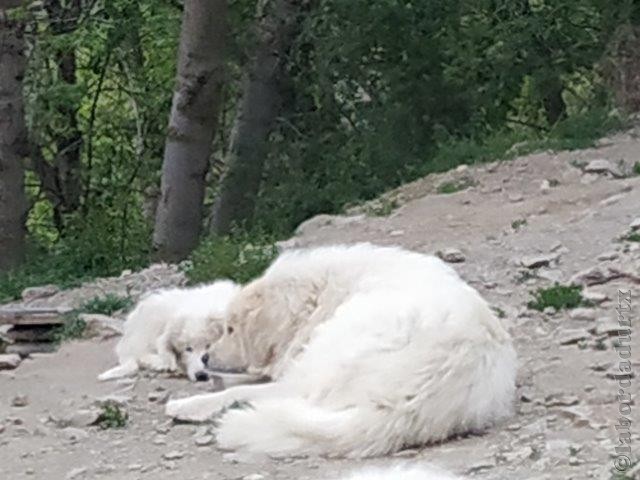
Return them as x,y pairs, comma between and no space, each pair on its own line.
253,476
545,186
30,471
602,166
635,225
608,256
204,440
561,400
81,418
572,337
74,434
158,397
164,428
2,428
173,455
20,401
396,233
549,311
451,255
9,361
594,297
593,276
538,261
135,467
516,197
584,314
462,168
75,473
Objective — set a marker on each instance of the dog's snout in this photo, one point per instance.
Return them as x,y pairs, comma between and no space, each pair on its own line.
202,376
205,358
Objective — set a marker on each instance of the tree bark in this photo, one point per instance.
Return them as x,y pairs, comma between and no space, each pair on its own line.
192,125
13,141
262,100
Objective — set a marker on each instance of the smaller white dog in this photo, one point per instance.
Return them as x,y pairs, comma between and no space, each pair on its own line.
171,330
425,472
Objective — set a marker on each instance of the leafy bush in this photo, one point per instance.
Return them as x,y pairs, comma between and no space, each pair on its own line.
558,297
239,258
72,328
107,305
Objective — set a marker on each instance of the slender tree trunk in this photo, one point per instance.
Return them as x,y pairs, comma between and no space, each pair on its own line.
262,101
13,141
63,19
192,125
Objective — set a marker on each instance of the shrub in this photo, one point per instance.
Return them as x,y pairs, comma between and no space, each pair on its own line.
558,297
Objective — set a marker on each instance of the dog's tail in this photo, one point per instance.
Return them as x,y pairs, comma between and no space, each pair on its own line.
293,426
126,369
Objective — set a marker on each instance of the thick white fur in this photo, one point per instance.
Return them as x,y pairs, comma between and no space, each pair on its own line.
371,349
170,330
401,473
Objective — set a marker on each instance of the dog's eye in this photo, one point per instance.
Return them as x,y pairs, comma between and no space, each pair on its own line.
229,330
189,349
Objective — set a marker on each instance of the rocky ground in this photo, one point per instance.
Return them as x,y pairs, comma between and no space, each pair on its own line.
521,225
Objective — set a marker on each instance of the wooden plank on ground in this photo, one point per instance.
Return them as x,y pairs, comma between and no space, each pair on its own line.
33,316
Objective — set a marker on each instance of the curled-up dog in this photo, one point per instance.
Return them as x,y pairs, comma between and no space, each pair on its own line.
171,330
370,349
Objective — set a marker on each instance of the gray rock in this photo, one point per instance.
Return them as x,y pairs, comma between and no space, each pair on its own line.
608,256
173,455
9,361
451,255
74,434
538,261
595,297
35,293
602,166
75,473
204,440
572,337
101,326
635,225
253,476
594,276
583,314
20,401
561,400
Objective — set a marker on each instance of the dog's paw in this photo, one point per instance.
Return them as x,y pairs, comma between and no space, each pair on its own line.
193,409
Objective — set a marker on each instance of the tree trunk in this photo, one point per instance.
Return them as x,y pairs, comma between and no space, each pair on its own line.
192,124
262,100
13,141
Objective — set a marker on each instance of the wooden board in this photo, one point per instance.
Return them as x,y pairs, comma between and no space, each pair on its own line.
33,316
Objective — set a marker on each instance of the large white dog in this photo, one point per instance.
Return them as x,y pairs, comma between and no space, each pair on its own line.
370,349
171,330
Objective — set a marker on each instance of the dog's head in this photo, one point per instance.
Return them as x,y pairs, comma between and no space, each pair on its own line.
200,327
249,332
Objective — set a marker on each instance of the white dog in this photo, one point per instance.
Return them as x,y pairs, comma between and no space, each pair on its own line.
371,349
171,330
402,473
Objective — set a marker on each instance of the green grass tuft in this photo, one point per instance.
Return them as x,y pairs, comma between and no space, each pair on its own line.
454,186
632,237
518,224
72,328
558,297
107,305
112,416
636,168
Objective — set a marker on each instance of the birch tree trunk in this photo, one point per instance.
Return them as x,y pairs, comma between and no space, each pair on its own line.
262,99
13,140
192,125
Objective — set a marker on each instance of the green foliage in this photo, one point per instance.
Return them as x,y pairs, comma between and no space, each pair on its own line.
454,186
636,168
71,329
632,237
381,93
239,258
107,305
559,297
518,224
112,416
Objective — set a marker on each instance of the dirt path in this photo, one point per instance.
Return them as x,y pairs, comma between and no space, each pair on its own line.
567,407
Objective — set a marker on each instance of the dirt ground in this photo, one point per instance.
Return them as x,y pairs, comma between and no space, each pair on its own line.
555,213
